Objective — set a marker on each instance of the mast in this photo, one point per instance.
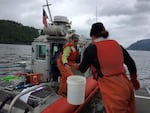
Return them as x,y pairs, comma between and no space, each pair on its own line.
47,5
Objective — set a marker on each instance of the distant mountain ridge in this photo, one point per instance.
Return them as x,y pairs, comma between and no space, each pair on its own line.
140,45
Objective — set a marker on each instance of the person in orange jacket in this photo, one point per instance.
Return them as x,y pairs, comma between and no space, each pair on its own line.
66,60
107,58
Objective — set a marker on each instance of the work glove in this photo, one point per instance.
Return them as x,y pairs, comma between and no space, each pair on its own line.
134,81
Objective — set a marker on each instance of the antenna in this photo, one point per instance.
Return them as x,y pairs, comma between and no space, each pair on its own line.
96,13
47,5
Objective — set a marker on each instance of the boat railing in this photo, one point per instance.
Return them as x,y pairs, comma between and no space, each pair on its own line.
142,96
33,88
148,90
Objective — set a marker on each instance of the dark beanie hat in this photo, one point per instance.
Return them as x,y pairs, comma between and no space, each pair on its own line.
75,37
97,28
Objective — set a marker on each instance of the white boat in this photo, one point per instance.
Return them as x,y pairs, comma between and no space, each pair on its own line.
33,93
42,98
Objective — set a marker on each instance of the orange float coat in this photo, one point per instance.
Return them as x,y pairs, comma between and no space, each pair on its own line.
116,89
66,71
73,55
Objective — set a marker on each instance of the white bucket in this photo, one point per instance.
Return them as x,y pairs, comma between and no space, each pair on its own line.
76,89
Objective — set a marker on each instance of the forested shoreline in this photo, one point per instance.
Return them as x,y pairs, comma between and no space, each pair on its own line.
12,32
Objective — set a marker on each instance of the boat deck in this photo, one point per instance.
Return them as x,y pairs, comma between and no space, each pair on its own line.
41,95
143,100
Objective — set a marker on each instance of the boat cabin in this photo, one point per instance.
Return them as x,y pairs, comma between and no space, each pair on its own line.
43,49
45,46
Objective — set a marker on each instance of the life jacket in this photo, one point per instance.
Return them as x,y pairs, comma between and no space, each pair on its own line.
110,57
73,55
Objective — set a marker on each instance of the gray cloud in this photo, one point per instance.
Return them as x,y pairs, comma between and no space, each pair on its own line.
126,20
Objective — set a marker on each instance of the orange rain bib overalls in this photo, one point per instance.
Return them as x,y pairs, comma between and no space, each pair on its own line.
116,89
66,71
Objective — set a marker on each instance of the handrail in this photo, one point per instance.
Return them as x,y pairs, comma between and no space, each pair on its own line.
25,92
148,90
144,97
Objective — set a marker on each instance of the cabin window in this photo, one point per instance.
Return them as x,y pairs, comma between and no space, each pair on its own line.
41,52
55,48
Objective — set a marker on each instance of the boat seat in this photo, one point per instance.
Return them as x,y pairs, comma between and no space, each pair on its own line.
62,106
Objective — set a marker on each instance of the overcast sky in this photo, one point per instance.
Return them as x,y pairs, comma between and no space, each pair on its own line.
126,20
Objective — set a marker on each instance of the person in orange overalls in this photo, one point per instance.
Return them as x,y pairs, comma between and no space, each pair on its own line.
107,58
65,62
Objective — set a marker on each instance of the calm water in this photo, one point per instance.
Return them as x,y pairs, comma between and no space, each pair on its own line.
11,54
